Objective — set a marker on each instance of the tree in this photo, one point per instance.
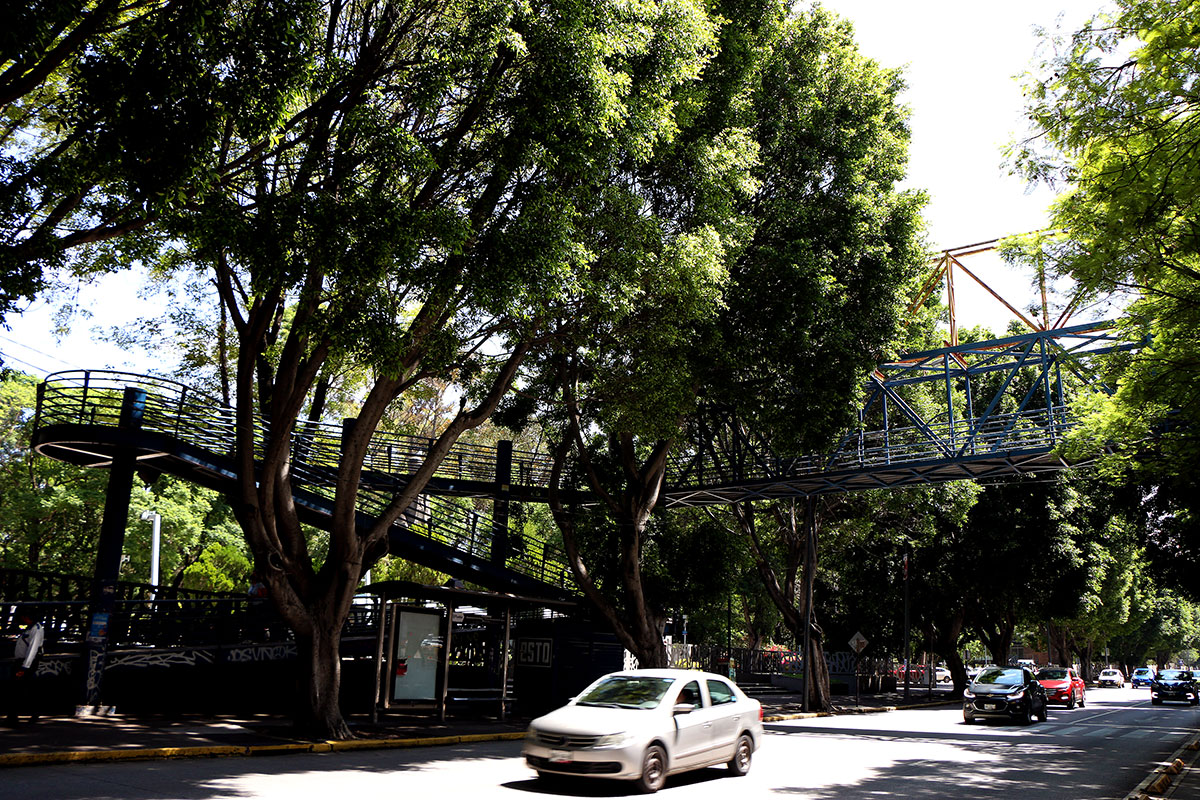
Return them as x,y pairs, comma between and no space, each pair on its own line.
428,207
109,109
813,230
1114,112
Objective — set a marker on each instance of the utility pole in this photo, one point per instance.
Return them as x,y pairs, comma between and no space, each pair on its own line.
906,648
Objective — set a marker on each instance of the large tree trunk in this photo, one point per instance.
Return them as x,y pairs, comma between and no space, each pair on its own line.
790,598
319,713
636,621
820,698
997,638
945,641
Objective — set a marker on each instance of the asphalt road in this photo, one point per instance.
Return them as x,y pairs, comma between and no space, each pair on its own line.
1101,751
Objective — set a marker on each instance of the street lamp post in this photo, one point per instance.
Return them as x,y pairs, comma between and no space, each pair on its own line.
155,546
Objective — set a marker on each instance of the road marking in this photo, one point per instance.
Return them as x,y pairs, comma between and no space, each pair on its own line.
1097,731
1140,733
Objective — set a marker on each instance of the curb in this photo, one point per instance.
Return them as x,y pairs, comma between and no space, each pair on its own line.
158,753
1159,782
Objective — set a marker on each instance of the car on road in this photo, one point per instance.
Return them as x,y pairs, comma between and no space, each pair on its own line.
1062,685
1142,676
1005,693
1174,684
943,675
973,672
1111,677
643,725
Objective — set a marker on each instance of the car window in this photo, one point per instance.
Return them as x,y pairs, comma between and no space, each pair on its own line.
626,691
690,693
1002,677
1175,675
720,692
1052,674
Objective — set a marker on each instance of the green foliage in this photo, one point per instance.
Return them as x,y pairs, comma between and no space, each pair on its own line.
1114,111
49,511
50,514
109,111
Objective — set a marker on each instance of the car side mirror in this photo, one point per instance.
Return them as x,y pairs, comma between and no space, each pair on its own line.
683,708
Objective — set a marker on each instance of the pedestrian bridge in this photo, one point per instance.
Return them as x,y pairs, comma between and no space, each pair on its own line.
971,411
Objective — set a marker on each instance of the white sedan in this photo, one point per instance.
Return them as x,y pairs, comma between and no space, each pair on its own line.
646,724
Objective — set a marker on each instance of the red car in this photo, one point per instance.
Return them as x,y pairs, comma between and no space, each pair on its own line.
1063,685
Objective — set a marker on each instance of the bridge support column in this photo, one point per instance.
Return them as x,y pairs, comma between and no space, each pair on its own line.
108,555
500,538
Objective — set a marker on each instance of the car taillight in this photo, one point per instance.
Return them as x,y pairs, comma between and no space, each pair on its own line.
760,713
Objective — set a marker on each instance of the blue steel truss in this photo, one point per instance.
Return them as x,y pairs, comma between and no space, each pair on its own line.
971,411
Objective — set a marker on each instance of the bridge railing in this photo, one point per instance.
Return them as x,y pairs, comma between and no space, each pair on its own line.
94,397
1034,429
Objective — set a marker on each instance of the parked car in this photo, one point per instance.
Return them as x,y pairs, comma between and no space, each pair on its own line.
1005,693
1174,684
943,675
643,725
1111,677
1142,676
1062,685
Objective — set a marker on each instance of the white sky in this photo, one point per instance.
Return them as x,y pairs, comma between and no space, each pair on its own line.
960,60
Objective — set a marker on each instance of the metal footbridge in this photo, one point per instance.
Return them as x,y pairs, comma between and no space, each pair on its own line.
970,411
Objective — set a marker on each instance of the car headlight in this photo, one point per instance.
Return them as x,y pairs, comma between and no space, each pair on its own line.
968,694
1017,695
614,739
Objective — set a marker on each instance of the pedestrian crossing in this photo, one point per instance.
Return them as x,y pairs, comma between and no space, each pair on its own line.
1086,731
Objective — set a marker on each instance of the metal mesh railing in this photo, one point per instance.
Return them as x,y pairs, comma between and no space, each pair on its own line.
171,408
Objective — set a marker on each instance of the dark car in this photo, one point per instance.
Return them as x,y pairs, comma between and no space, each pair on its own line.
1142,676
1005,693
1174,684
1063,685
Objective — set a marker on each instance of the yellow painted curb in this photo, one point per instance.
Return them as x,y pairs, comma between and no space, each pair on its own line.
491,737
151,753
802,715
132,754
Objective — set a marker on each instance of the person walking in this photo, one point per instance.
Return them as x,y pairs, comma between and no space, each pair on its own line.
26,652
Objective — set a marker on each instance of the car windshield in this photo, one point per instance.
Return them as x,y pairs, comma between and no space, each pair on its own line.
1141,671
1053,674
1002,677
1175,675
625,691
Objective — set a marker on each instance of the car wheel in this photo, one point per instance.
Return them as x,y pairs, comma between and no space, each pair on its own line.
1196,701
1154,701
1071,701
654,770
1026,717
1082,697
1044,712
740,763
968,720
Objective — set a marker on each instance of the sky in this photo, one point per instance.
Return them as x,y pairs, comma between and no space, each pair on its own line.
959,60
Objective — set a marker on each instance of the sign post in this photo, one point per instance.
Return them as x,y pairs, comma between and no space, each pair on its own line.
858,643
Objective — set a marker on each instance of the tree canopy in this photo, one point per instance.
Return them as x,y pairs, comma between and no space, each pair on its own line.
1114,110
